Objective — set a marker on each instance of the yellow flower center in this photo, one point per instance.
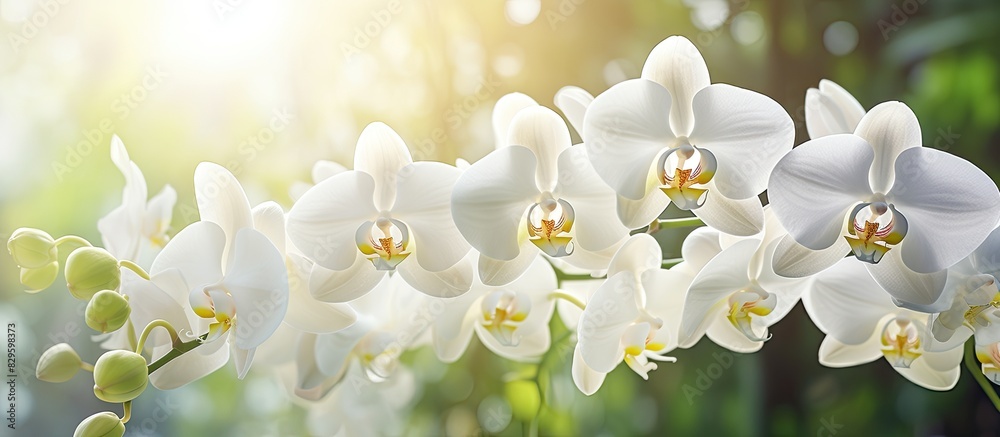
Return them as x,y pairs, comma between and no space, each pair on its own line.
503,312
385,242
901,342
745,303
549,224
683,171
875,227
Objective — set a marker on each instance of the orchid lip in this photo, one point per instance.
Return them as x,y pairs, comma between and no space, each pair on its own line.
385,242
503,312
901,342
875,228
549,223
640,348
748,302
989,355
683,172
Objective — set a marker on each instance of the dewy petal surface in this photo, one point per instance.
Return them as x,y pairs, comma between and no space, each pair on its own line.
748,133
490,198
504,111
423,202
221,200
950,204
597,225
382,154
890,128
544,132
677,65
573,102
323,223
258,282
831,110
813,187
624,130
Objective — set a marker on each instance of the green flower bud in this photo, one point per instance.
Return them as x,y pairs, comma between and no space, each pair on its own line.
524,399
40,278
32,248
107,311
120,376
89,270
58,364
104,424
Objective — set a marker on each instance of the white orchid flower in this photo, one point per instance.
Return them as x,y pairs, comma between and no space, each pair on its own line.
973,298
862,324
831,110
633,317
736,296
358,225
910,212
136,228
673,136
365,408
392,318
539,194
511,320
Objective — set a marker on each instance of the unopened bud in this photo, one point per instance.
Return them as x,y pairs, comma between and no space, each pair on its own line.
120,376
40,278
58,364
107,311
32,248
89,270
104,424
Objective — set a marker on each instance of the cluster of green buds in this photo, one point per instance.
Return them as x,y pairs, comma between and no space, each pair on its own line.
36,254
103,424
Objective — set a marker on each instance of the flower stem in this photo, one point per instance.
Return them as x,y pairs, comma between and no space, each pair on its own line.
568,297
178,350
977,373
680,222
127,413
72,239
87,366
134,267
670,262
149,328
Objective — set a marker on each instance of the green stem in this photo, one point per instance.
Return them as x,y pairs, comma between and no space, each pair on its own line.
977,373
127,413
73,239
134,267
149,328
178,350
569,298
87,366
680,222
670,262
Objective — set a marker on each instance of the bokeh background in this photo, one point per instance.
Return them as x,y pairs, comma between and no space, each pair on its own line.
267,88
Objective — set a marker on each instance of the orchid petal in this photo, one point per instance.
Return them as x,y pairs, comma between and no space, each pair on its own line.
597,226
676,64
951,206
336,286
573,102
831,110
323,223
793,260
587,380
814,186
724,334
423,202
382,154
635,214
504,111
196,251
890,128
258,283
625,128
544,132
496,272
242,358
305,313
323,170
639,253
846,303
935,370
700,246
713,285
269,219
743,217
221,200
451,282
490,199
912,289
833,353
610,312
452,329
746,131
